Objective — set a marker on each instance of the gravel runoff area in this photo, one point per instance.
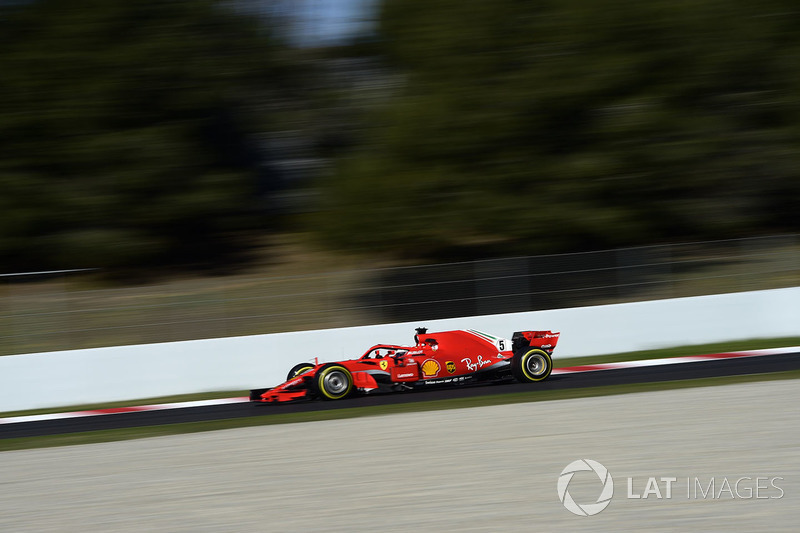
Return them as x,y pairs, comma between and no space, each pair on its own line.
479,469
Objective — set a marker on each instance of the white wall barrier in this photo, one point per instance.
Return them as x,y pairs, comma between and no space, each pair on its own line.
99,375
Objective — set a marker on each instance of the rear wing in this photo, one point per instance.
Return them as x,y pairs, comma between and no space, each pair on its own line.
546,340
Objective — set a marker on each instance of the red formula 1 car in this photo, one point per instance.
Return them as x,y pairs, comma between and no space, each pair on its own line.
446,358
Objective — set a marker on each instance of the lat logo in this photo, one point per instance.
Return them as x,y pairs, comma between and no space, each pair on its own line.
586,509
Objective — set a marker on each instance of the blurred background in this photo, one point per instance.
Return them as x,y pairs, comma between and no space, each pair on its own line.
188,169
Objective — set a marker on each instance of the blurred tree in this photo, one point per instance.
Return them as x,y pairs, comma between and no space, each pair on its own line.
127,131
533,126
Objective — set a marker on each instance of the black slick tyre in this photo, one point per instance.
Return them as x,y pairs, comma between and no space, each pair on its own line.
531,365
298,369
333,382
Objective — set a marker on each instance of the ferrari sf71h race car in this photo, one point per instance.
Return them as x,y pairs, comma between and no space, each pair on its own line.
446,358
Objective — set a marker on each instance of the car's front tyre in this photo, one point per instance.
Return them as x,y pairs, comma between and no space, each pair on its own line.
333,382
298,369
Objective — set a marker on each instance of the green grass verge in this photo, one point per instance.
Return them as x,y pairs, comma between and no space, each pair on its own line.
699,349
455,403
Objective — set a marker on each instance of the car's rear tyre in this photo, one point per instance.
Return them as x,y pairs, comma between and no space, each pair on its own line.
532,365
333,382
296,370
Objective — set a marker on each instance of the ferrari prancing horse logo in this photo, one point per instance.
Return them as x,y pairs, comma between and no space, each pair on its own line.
384,365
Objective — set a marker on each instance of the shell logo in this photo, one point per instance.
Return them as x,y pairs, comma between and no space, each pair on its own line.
430,368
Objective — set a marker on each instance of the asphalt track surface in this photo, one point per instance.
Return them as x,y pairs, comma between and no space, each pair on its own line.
473,470
654,374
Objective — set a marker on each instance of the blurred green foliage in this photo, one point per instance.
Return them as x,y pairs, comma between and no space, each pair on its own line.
132,133
126,131
536,126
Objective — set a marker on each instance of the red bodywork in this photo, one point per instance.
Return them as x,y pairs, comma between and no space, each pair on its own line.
449,357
